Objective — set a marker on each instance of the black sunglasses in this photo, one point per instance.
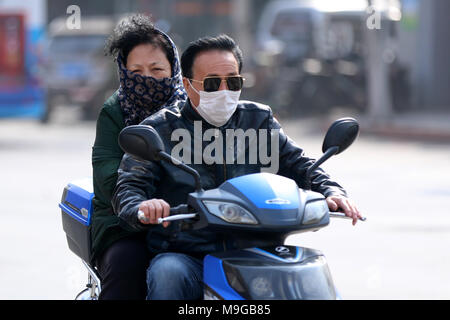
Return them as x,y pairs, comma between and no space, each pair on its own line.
210,84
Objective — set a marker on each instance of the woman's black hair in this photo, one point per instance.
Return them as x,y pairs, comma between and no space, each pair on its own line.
221,42
134,30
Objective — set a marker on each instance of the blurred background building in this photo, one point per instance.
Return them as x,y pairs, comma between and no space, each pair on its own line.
377,57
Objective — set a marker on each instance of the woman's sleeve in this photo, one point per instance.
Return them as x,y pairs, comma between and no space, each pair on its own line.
106,157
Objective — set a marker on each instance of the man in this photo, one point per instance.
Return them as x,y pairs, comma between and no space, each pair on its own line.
211,75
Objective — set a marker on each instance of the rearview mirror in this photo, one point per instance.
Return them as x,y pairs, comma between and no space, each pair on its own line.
339,137
142,142
341,134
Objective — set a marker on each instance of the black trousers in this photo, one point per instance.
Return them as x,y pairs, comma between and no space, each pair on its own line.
122,269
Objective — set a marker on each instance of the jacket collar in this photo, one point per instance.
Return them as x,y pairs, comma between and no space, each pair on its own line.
189,113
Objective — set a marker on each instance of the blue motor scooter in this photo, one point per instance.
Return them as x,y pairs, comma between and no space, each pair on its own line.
263,207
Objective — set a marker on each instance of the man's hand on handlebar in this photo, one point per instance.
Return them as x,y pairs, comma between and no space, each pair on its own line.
339,203
152,210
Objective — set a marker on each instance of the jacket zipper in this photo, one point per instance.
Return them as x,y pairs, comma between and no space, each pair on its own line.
223,156
224,171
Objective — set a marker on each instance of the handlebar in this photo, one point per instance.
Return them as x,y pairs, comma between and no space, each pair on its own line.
181,212
340,215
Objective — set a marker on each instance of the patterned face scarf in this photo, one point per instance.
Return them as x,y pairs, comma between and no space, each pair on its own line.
140,96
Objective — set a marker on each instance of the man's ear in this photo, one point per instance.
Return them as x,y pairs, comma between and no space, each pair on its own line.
192,95
186,83
187,86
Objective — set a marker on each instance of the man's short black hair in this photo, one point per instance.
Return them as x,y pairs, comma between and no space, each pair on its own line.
221,42
134,30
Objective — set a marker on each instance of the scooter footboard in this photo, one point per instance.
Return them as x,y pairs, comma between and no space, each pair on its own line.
278,273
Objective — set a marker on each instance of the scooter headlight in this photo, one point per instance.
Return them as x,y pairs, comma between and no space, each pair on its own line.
315,211
230,212
261,287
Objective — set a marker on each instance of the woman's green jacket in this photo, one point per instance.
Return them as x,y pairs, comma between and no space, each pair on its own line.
106,157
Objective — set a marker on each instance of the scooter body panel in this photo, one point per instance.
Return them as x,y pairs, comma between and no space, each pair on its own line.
274,201
273,273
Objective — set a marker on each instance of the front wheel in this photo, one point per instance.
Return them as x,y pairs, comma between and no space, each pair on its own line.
90,293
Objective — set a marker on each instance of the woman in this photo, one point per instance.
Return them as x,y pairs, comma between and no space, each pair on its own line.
150,79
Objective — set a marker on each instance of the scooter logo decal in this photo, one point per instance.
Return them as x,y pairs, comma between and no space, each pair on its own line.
282,249
84,212
281,253
278,201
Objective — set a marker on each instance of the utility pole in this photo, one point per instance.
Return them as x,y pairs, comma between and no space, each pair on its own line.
379,93
241,25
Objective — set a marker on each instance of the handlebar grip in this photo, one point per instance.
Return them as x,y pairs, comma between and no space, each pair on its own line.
142,217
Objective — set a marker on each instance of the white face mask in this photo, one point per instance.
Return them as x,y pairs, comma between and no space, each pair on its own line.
217,107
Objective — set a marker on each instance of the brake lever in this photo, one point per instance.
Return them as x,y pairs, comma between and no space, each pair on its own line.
177,217
342,215
177,213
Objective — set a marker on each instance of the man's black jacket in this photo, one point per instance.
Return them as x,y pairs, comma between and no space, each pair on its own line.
142,180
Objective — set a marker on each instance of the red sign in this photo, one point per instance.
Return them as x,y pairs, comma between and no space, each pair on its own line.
12,40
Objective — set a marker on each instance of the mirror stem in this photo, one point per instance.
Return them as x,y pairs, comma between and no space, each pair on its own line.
328,154
166,157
